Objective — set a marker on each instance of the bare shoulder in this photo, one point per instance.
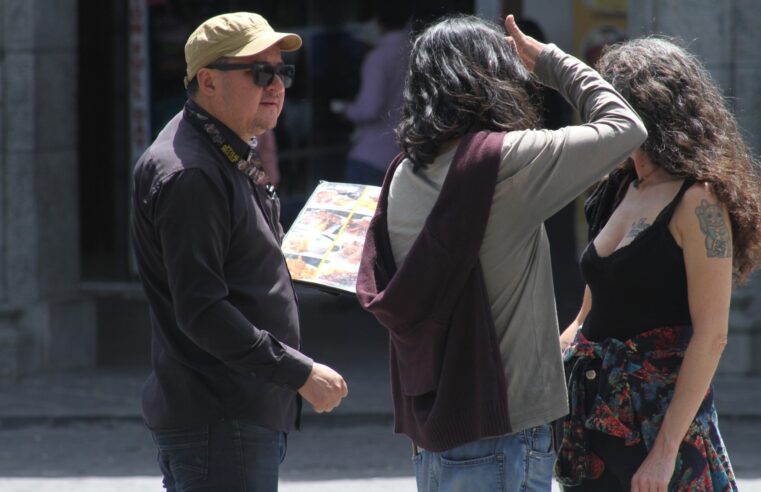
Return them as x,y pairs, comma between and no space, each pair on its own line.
699,198
698,192
702,217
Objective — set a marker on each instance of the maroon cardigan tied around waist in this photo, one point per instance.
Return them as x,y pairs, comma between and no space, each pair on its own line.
447,376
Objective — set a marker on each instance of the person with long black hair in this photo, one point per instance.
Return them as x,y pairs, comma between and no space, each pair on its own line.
456,261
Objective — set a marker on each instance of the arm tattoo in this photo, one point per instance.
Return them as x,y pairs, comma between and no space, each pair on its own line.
637,227
718,243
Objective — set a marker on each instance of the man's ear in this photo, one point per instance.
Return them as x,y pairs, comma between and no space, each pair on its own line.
206,81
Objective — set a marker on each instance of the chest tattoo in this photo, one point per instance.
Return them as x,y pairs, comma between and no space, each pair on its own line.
637,227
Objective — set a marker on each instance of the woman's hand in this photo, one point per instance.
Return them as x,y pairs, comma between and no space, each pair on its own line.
655,472
569,334
527,47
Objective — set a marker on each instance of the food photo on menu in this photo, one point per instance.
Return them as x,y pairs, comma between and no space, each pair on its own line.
324,245
368,201
347,248
321,220
338,274
358,225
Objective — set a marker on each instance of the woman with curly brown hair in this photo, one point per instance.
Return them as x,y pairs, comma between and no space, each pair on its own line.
669,231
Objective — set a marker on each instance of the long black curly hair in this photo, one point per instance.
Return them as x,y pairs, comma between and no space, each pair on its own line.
691,131
463,76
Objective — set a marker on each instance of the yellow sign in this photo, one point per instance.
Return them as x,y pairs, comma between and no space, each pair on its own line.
598,23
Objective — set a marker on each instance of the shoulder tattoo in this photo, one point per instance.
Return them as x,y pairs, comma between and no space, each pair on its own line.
718,243
637,227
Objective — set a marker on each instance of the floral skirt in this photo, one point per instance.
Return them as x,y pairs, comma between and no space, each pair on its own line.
636,383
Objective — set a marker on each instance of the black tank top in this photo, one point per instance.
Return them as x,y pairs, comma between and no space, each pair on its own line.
640,286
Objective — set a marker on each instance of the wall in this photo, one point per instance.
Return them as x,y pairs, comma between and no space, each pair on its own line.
45,323
555,18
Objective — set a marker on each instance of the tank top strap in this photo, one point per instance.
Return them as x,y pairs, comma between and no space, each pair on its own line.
668,211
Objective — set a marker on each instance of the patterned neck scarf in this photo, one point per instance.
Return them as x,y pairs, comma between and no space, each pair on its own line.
225,141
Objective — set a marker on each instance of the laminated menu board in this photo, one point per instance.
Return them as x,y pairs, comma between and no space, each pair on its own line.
323,247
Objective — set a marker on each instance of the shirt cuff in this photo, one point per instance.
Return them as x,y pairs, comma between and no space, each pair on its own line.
293,370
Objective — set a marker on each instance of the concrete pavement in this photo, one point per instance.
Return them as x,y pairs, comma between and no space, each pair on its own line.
335,331
59,431
119,456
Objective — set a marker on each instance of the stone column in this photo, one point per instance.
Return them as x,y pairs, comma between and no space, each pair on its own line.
45,322
725,36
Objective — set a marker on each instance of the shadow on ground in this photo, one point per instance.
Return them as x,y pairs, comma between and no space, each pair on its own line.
124,448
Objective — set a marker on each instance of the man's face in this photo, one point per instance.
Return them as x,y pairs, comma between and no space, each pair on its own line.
246,108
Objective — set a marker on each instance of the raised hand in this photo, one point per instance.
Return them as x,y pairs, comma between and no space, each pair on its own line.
527,47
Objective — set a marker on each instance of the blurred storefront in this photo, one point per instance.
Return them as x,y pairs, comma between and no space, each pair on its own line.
141,65
86,85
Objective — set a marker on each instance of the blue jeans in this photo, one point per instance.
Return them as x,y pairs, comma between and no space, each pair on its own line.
517,462
230,455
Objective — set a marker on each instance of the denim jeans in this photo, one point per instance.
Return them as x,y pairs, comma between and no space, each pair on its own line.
517,462
230,455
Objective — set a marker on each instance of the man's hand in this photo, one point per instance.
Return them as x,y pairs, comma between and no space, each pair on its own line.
324,388
527,47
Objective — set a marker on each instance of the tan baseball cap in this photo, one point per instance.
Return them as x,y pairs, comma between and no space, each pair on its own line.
234,34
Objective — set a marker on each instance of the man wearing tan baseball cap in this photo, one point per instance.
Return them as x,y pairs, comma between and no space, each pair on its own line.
233,35
227,370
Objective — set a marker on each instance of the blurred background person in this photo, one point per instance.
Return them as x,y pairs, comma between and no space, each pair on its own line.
375,110
267,148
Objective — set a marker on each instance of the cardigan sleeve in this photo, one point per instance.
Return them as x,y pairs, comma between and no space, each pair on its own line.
546,169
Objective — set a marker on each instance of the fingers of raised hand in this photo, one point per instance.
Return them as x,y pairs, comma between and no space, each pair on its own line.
512,29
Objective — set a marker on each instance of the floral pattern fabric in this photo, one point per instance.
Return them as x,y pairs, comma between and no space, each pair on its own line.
636,381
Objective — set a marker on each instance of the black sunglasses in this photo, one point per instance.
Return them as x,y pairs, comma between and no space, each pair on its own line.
263,73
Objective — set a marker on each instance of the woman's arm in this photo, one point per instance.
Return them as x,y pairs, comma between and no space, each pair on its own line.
702,227
566,338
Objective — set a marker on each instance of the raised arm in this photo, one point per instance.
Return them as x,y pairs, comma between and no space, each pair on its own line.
702,228
550,168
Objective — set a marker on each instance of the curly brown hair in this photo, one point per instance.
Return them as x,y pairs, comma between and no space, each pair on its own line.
691,131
